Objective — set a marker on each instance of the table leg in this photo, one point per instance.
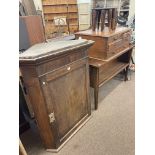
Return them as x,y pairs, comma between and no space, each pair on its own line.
126,73
94,82
96,89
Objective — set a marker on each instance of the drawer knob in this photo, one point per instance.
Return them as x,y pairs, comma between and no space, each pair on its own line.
68,68
44,83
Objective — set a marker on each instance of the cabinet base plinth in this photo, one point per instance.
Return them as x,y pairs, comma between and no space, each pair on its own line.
61,146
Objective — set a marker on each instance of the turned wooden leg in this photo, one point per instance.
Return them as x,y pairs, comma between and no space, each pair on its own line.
98,19
126,73
96,89
109,18
102,19
94,18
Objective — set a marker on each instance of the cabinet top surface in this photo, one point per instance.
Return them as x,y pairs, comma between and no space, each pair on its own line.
105,33
51,48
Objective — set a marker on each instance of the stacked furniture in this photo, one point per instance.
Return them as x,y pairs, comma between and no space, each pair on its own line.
56,78
110,55
60,8
99,14
121,5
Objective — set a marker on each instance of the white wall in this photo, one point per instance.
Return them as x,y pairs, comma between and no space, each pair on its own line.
83,1
38,3
132,8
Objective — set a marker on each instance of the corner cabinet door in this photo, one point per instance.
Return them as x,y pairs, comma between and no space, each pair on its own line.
66,94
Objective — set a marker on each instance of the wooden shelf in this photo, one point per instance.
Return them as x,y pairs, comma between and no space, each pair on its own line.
53,8
59,12
59,2
125,10
112,71
50,20
46,4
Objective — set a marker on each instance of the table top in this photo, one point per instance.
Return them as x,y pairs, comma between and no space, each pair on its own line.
105,33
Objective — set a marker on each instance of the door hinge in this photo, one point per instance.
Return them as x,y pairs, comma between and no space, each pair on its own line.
52,117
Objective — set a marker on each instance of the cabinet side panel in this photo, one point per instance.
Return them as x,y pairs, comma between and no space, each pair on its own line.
37,100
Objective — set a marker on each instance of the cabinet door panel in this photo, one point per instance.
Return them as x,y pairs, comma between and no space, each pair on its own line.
68,96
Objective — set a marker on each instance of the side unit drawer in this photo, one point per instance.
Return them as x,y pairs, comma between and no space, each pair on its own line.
114,38
115,46
121,43
119,36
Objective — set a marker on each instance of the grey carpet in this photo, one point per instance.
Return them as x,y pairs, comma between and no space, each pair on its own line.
110,131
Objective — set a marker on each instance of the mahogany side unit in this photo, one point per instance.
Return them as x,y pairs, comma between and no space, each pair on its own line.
110,55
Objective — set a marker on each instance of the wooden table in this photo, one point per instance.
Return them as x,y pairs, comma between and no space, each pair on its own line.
110,55
101,71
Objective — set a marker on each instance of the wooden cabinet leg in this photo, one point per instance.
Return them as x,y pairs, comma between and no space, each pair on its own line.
94,82
96,89
126,73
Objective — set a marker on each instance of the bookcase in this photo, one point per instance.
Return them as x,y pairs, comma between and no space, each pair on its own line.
60,8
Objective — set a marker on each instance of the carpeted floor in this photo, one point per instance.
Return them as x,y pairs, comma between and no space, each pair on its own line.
110,131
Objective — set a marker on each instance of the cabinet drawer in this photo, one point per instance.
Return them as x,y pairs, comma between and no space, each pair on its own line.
65,70
61,61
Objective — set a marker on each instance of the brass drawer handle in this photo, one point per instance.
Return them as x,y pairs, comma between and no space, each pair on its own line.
68,68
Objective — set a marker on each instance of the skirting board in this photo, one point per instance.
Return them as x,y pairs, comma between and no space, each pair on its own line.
61,146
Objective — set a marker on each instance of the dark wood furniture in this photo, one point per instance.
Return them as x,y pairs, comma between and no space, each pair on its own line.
102,71
23,123
31,31
99,18
22,150
107,42
110,55
56,79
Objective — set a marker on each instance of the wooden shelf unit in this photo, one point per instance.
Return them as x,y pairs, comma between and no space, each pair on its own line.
112,71
55,8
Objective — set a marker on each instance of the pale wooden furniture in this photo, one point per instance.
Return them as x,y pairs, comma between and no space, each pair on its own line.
56,8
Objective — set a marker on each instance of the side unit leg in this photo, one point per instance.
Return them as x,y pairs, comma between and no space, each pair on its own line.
126,73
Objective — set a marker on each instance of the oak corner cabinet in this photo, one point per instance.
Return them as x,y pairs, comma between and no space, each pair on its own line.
56,78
